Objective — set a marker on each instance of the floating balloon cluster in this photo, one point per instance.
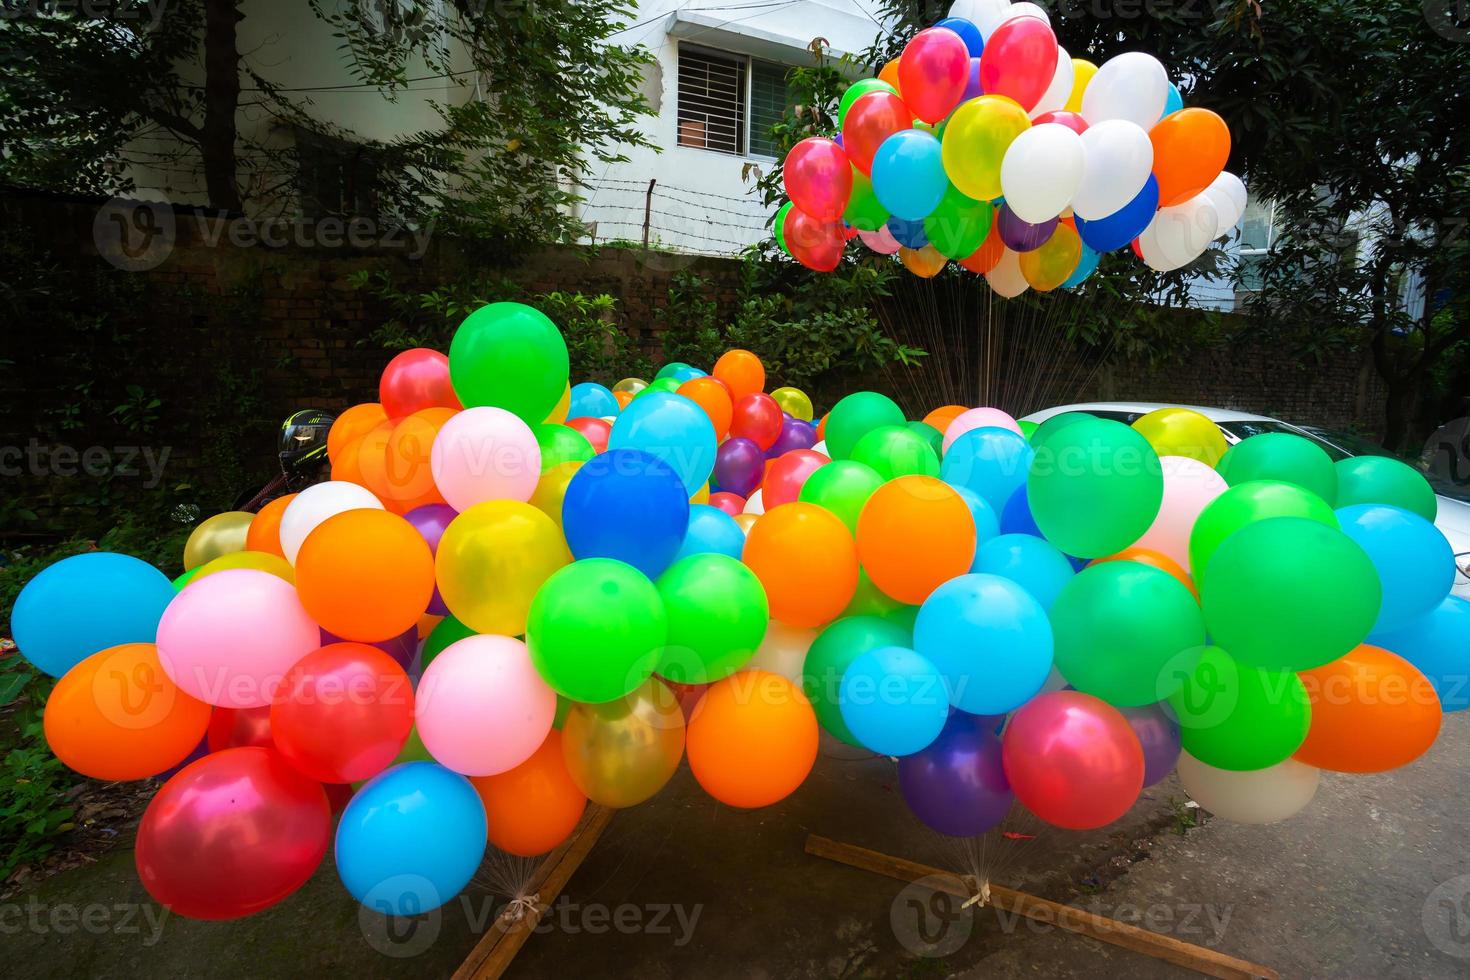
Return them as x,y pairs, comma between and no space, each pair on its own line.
515,596
987,144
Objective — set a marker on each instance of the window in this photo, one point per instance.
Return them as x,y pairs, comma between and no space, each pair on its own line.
728,102
1257,232
768,102
333,176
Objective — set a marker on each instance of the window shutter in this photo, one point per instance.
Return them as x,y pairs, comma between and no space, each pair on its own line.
711,101
768,103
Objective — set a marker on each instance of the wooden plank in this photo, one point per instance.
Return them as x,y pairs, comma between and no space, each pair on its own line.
493,954
1209,962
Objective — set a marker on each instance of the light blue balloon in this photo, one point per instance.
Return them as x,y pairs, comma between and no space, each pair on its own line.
908,174
987,523
1438,644
410,839
670,369
991,461
1415,564
672,428
711,530
591,400
1033,563
893,700
991,640
87,603
1086,266
686,373
1173,101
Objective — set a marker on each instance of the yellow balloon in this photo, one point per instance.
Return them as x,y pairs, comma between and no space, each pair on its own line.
1049,266
221,534
1182,432
492,559
1082,72
794,402
563,405
746,521
551,490
260,561
701,496
975,143
619,753
926,262
631,385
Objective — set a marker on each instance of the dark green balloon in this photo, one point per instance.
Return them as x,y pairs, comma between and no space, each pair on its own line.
855,416
1055,424
869,600
841,486
896,450
933,436
449,630
857,90
717,613
1280,456
864,211
832,653
1380,480
958,226
561,444
1094,487
1245,504
778,227
1235,716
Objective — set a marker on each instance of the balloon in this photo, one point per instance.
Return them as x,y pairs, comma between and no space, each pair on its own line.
1158,735
485,453
1179,234
895,450
1438,645
1182,432
828,658
1153,559
1083,71
1005,278
971,419
871,119
1260,796
117,715
933,71
1054,99
1041,171
233,728
314,505
264,534
595,431
807,561
1086,266
975,143
406,478
711,531
713,396
510,356
1415,564
431,521
561,444
410,839
1094,487
880,241
914,534
622,752
534,807
857,90
931,436
1290,594
365,575
908,174
629,505
1244,504
842,487
414,380
222,534
1191,147
893,700
785,475
1124,225
957,785
742,371
590,399
1235,716
1021,236
231,834
1381,480
1372,711
958,225
629,385
818,178
1072,760
717,615
752,739
926,263
1132,86
739,466
968,32
481,706
673,429
1032,563
448,631
908,234
989,638
990,461
855,416
1019,61
988,255
492,560
793,401
1119,164
352,425
795,434
783,651
731,504
1052,264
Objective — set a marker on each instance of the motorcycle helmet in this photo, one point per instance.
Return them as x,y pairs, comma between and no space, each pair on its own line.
304,441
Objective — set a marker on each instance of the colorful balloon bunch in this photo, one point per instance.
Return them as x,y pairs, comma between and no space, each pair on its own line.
985,143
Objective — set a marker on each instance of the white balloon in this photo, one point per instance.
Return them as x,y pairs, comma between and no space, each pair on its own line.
978,12
821,447
1006,278
1060,89
315,504
1119,160
755,503
1230,196
1131,86
783,651
1180,234
1041,171
1256,796
1012,12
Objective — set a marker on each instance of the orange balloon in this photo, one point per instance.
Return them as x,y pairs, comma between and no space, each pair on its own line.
943,415
535,806
1372,711
372,462
1154,559
265,531
752,739
345,467
353,424
622,398
712,395
914,534
989,254
116,715
365,575
822,428
427,622
805,557
410,482
926,262
742,371
1191,147
889,74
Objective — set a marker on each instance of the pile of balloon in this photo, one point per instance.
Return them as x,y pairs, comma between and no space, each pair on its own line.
987,144
515,595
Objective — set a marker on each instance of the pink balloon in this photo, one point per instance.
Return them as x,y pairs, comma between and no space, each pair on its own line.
880,241
1189,486
414,380
933,72
481,707
230,637
1019,60
818,179
979,418
815,243
786,474
485,453
1072,759
1071,120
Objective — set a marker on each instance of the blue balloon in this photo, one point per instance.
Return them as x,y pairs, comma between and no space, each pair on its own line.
410,839
893,700
909,234
674,429
711,530
685,373
1016,517
1124,224
974,88
1033,563
908,174
87,603
669,369
1173,101
991,640
1438,644
987,524
991,461
628,505
1415,564
1086,266
591,400
968,33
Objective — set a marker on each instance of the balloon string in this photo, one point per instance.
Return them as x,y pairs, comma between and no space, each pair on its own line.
979,891
520,907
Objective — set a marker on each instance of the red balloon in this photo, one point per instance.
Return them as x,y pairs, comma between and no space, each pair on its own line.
871,119
1071,120
594,430
232,834
932,73
814,243
343,712
818,178
416,379
234,728
786,474
757,418
1072,759
730,503
1019,60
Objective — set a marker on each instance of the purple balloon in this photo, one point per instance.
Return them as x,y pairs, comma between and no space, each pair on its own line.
1159,736
431,520
973,88
957,785
1021,236
401,648
200,751
739,466
795,434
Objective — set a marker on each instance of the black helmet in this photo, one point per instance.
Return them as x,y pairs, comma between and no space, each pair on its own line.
304,440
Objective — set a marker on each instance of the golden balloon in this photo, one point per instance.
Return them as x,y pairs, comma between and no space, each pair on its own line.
621,752
221,534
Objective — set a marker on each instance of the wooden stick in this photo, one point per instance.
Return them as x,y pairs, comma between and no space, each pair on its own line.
493,954
1198,958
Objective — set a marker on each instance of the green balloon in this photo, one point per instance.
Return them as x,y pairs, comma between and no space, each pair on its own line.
1125,632
1055,424
1094,487
778,227
896,450
855,416
1290,593
1246,504
595,629
659,384
1028,429
448,630
1280,456
188,577
864,211
563,708
717,613
903,616
1381,480
958,226
667,371
857,90
511,356
1239,717
841,486
561,444
827,660
931,435
869,600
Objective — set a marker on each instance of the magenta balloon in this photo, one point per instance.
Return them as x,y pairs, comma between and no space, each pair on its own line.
932,73
430,521
1019,60
818,178
739,466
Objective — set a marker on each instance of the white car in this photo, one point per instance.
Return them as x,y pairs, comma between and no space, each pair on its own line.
1452,518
